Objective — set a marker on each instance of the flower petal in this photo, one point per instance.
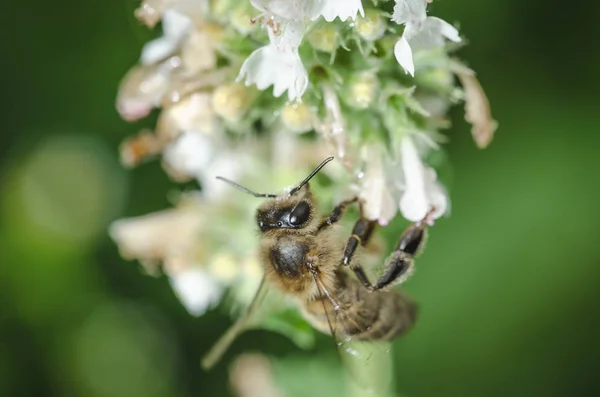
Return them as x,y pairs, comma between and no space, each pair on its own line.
422,191
447,30
374,190
432,34
404,56
343,9
196,290
278,64
292,10
153,237
189,155
409,11
175,27
437,195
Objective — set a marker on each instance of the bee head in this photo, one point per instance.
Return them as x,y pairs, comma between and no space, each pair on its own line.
290,210
286,212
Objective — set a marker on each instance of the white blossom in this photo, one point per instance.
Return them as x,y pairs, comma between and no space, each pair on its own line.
378,202
211,126
189,154
343,9
422,192
155,238
172,238
194,113
176,27
144,87
420,33
234,163
291,10
196,290
278,64
410,12
151,11
333,127
203,157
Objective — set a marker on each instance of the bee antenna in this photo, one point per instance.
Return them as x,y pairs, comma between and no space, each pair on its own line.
246,190
308,178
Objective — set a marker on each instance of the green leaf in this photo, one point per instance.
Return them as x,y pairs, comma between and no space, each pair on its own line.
289,323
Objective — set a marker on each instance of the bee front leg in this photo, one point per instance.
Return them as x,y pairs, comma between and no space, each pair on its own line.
337,213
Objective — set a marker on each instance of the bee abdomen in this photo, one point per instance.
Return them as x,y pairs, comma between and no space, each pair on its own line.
363,315
397,315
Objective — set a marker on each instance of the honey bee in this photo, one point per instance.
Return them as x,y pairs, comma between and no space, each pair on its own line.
303,258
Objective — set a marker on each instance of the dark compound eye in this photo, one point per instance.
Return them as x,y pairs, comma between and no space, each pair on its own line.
279,224
300,214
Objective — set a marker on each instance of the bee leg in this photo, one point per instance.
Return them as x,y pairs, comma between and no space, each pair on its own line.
312,267
361,233
400,263
337,213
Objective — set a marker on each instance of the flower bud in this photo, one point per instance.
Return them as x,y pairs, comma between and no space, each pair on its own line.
372,26
324,38
198,53
297,117
241,20
224,267
362,90
437,79
149,14
230,101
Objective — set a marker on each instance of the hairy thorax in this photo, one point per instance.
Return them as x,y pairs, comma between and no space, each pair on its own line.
286,259
285,262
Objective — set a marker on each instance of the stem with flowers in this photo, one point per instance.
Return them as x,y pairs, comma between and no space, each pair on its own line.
261,90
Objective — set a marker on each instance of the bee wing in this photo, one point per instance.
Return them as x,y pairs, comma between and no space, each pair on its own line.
241,325
367,362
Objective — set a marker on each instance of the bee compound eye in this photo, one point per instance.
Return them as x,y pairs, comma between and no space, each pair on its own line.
300,214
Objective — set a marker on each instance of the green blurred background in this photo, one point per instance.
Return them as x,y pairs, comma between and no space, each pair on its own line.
509,284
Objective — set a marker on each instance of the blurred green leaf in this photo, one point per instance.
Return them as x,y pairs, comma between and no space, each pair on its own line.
291,324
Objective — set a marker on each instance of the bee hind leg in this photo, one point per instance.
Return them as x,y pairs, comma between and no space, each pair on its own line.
399,264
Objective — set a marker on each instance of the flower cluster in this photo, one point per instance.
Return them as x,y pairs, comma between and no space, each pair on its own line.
368,82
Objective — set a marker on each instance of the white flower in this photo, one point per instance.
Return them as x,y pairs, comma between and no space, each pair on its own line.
155,238
378,202
151,11
190,154
176,27
432,34
234,164
409,11
174,239
420,32
343,9
204,157
422,191
291,10
196,290
144,87
193,113
333,128
278,64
